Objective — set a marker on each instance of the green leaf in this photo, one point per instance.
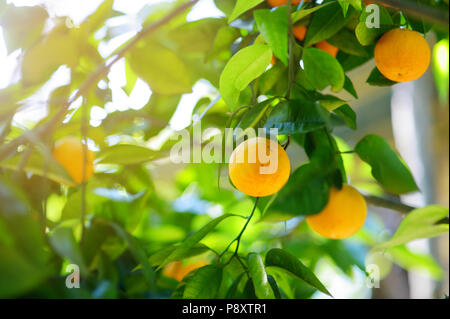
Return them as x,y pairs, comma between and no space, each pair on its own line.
226,6
274,286
347,42
263,289
331,102
416,262
40,166
378,79
387,167
17,275
306,193
63,242
274,28
303,13
351,62
225,37
344,5
241,7
325,23
293,266
203,283
419,223
40,60
253,117
367,36
321,69
131,78
196,36
245,66
160,67
297,116
22,26
192,240
126,154
136,251
348,86
96,20
158,257
347,113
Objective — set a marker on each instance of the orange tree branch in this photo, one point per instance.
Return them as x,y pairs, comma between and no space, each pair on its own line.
419,10
10,148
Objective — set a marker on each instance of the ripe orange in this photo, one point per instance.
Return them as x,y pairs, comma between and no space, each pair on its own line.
299,32
402,55
178,271
274,60
343,216
277,3
325,46
258,174
70,154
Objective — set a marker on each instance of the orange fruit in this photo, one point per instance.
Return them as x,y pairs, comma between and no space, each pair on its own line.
69,153
178,271
259,167
274,60
343,216
402,55
277,3
325,46
299,32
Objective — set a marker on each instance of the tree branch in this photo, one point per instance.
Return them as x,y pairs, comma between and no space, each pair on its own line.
101,71
419,10
395,205
390,204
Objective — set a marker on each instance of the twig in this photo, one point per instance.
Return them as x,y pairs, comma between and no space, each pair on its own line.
291,51
419,10
238,239
84,128
102,70
395,205
390,204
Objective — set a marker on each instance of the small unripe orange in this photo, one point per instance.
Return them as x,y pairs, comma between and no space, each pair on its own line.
259,167
69,153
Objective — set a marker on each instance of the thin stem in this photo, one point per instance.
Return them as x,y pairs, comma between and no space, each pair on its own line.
287,143
395,205
291,50
84,128
239,237
418,10
101,71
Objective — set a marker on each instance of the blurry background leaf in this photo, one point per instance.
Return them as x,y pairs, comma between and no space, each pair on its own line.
387,167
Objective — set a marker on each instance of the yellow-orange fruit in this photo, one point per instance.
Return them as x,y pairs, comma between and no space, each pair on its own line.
178,271
277,3
299,32
343,216
325,46
69,153
259,167
402,55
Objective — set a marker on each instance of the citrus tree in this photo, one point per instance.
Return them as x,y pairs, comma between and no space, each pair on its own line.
99,206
